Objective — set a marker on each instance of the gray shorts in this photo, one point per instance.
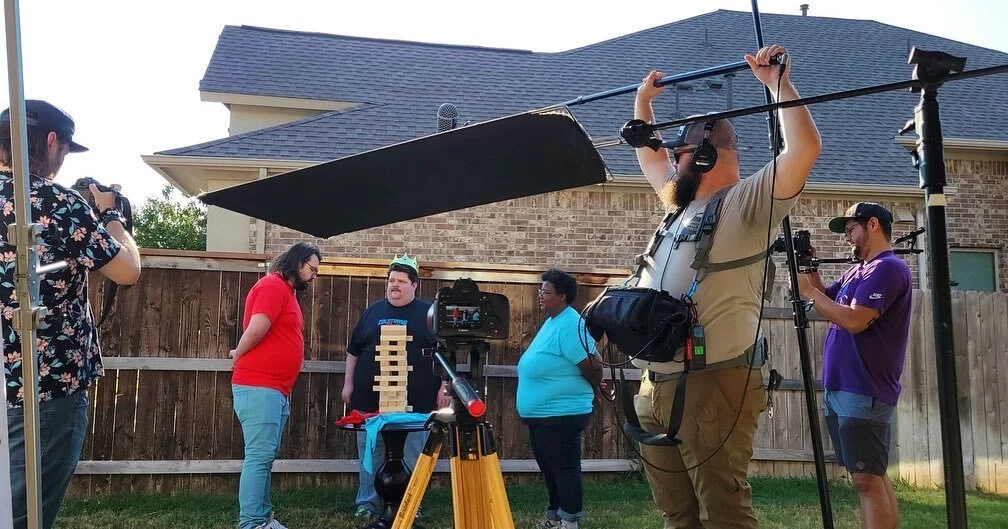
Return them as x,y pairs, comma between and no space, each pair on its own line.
859,427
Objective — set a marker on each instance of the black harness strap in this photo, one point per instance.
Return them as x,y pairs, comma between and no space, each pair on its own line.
704,237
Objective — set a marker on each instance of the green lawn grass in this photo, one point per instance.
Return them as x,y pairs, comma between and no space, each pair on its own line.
625,504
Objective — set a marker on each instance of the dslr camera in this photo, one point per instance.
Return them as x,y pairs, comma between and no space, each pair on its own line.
802,242
462,312
122,203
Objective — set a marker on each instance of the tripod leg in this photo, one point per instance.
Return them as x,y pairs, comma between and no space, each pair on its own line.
478,495
420,478
468,494
500,510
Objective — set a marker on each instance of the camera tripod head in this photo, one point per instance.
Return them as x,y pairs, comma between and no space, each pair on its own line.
464,396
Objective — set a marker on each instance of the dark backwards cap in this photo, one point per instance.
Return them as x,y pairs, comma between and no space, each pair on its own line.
723,136
861,211
47,117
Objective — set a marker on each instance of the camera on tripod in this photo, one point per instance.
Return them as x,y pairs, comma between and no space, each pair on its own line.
461,311
802,242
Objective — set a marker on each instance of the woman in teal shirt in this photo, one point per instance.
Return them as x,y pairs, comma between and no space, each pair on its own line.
556,375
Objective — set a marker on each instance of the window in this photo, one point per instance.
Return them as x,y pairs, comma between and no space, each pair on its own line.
973,269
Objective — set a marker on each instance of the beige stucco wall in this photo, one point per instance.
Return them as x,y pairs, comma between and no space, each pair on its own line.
245,118
227,231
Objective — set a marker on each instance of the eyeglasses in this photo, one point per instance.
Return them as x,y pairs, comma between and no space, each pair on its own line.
314,269
543,292
676,153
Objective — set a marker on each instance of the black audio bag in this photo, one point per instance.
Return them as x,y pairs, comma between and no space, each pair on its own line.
644,323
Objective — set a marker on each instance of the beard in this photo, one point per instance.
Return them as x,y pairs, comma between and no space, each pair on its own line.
300,284
681,188
858,249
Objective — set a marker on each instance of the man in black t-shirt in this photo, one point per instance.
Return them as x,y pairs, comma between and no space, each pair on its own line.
424,389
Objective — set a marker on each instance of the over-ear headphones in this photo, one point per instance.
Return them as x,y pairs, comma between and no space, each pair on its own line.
705,155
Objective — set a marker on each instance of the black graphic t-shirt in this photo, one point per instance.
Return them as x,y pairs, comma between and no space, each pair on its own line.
67,341
422,384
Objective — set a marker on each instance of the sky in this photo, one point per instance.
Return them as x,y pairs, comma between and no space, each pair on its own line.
128,71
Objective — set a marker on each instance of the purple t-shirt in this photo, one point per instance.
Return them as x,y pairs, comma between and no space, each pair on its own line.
871,361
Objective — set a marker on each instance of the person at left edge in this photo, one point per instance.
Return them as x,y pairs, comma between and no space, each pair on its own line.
66,343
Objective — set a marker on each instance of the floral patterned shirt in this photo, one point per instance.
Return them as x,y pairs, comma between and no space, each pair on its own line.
67,340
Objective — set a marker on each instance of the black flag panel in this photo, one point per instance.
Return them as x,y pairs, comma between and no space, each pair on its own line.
511,157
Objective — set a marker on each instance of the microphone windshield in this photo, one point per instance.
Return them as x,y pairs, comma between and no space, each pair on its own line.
447,117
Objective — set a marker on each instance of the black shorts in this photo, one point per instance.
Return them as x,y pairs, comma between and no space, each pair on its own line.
861,445
859,427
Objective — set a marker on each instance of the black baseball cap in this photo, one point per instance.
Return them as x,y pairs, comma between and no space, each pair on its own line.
43,115
722,136
861,211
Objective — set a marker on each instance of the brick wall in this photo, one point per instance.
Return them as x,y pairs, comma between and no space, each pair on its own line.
978,206
574,229
605,227
577,230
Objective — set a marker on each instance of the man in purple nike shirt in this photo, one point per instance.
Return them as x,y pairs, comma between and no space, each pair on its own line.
869,313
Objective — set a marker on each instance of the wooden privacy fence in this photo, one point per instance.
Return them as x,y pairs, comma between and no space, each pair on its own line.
162,417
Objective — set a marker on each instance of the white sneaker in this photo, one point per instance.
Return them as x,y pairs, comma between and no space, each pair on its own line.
272,523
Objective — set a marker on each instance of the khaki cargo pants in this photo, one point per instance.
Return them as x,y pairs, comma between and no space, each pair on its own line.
715,495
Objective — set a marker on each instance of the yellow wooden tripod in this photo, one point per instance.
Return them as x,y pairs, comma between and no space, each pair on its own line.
479,500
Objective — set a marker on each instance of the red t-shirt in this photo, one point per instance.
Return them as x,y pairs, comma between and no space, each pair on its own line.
276,360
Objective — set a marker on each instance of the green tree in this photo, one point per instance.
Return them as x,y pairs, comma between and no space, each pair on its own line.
170,223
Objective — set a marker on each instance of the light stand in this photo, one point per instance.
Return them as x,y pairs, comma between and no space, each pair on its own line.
933,69
801,322
25,236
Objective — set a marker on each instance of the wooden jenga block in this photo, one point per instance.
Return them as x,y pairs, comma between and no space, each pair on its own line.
394,369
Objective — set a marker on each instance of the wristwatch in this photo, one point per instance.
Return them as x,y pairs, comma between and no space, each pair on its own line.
111,214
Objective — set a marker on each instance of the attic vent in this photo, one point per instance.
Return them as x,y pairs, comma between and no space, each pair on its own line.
804,10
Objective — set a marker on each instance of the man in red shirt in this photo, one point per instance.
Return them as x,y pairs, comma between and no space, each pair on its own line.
267,361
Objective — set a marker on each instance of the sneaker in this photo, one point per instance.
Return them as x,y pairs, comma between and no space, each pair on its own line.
363,512
550,524
567,524
275,524
272,523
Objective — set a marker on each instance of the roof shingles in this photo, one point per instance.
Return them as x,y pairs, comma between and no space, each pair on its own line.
405,82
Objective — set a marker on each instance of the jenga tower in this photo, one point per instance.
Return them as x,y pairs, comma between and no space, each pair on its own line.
393,369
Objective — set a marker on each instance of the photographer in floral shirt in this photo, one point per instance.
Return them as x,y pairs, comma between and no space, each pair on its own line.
67,341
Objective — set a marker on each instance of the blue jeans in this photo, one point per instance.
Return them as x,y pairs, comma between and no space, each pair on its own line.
366,495
262,413
62,426
556,444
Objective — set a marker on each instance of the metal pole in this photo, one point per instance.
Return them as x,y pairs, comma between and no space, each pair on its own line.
932,177
800,319
23,234
833,96
668,79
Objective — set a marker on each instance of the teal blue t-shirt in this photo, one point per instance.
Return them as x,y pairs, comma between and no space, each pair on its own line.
549,381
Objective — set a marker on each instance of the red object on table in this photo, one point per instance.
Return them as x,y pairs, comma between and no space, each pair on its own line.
355,417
